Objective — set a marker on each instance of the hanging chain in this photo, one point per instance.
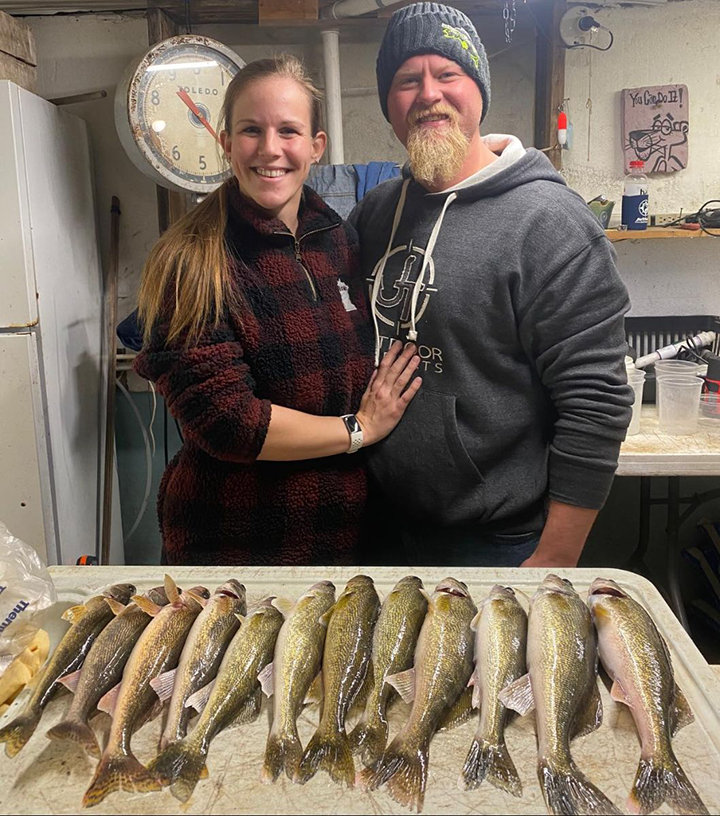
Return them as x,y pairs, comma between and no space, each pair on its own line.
510,18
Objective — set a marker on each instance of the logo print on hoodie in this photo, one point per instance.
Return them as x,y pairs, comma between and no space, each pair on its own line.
394,301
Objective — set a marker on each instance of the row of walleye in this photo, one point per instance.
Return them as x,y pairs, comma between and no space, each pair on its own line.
128,655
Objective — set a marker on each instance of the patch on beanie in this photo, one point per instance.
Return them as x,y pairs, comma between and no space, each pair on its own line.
459,34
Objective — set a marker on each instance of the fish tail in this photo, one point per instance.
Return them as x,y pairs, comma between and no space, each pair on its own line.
486,760
76,731
119,772
329,750
369,739
663,780
180,764
16,733
404,769
282,752
567,791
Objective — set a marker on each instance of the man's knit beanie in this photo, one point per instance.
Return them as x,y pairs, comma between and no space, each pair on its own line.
431,28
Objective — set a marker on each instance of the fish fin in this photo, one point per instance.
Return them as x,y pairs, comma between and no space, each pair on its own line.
107,702
518,695
148,607
163,684
16,733
369,738
283,605
324,619
328,750
248,711
315,692
617,692
119,772
171,589
116,606
474,681
459,712
681,713
405,771
404,683
283,752
76,731
567,790
475,622
590,715
659,781
70,681
267,679
200,698
181,764
491,762
73,614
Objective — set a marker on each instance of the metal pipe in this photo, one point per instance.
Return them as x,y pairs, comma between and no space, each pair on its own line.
333,100
352,8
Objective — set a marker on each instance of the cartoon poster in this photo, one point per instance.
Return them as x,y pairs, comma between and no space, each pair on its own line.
655,127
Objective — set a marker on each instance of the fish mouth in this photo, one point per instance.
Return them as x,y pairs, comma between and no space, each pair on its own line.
451,586
605,586
231,589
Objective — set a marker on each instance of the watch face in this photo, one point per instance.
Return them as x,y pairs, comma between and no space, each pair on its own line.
175,100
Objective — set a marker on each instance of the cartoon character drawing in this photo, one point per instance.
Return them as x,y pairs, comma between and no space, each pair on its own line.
659,140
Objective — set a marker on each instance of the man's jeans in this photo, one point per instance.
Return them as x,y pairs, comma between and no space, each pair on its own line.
463,547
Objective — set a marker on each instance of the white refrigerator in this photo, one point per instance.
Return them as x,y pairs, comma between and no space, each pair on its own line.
53,356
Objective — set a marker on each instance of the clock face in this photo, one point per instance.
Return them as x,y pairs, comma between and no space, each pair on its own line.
175,100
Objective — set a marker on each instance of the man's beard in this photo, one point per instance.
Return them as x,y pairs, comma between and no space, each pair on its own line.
436,156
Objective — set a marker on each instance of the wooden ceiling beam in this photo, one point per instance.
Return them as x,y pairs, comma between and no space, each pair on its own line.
276,11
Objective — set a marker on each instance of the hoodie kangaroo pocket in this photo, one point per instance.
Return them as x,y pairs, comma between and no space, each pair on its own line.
423,465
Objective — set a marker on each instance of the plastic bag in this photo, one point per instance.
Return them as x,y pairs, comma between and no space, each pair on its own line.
26,590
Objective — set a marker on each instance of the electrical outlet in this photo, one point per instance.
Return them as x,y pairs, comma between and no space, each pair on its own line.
661,219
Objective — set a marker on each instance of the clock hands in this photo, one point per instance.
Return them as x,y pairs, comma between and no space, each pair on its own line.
183,94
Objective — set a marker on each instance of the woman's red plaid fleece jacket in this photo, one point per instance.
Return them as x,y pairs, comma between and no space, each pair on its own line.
294,344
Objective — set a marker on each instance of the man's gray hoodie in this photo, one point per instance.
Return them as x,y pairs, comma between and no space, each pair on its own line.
508,286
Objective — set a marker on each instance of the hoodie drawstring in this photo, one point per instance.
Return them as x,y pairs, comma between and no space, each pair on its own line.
412,334
377,283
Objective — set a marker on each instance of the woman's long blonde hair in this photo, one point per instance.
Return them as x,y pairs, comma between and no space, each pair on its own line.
191,256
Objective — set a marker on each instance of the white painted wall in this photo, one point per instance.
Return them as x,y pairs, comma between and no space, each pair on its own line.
89,52
675,43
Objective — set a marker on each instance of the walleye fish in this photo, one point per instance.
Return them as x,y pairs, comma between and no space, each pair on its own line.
561,685
87,621
296,664
637,659
500,643
204,647
396,633
443,666
346,659
103,669
233,698
158,649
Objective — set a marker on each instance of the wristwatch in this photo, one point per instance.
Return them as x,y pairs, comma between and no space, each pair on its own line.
355,431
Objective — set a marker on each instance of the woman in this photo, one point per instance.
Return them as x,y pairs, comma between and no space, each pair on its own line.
257,335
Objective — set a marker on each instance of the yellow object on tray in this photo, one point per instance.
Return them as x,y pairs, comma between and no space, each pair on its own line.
23,668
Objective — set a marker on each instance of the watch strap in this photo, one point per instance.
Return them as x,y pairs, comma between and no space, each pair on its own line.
354,431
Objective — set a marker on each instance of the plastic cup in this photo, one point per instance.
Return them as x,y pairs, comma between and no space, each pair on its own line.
676,367
679,404
637,383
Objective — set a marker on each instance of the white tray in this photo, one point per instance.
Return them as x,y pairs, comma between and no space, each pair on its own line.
51,777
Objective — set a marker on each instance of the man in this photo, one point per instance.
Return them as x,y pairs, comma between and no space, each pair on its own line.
481,256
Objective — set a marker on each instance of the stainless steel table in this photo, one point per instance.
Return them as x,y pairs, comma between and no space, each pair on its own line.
652,453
